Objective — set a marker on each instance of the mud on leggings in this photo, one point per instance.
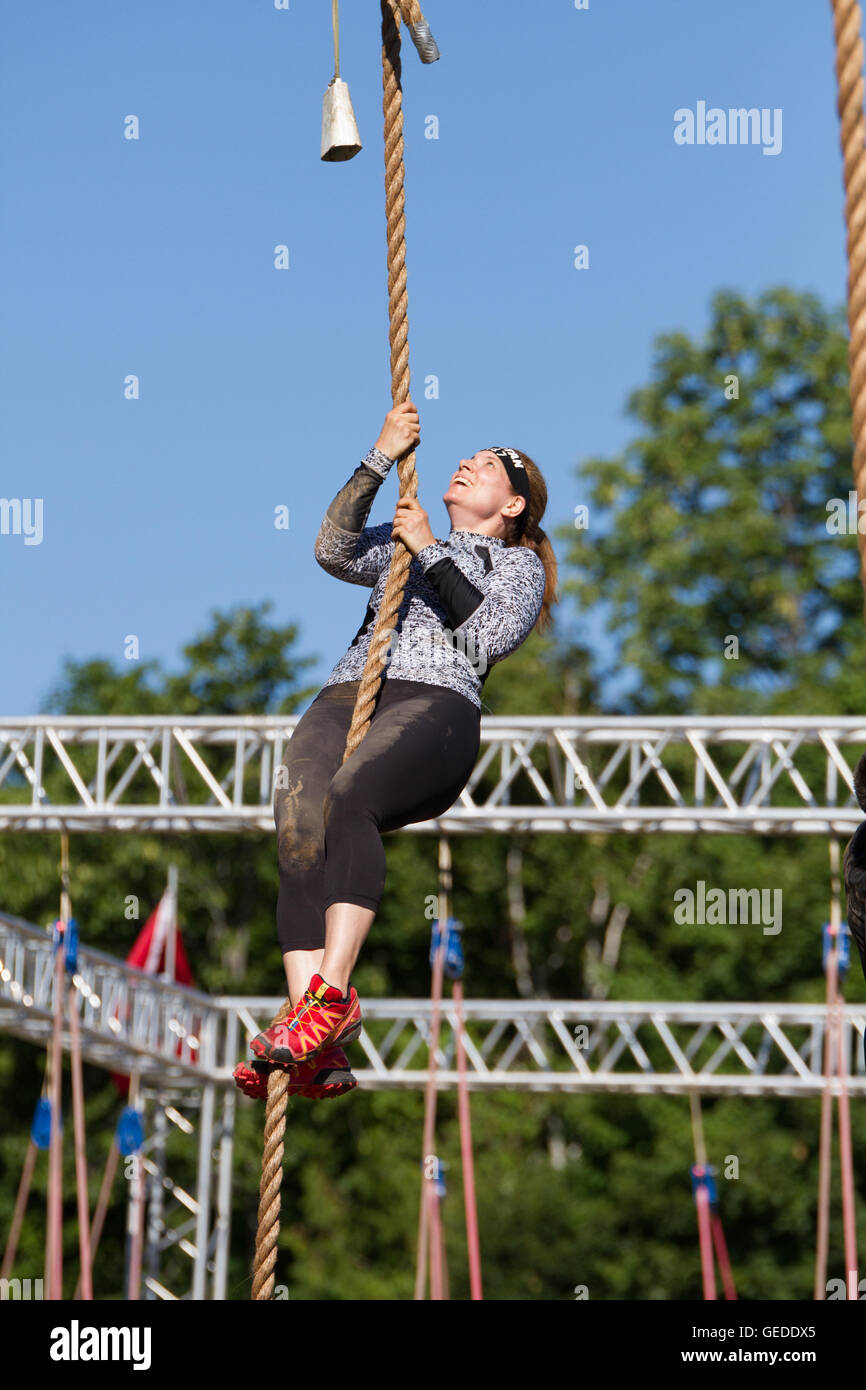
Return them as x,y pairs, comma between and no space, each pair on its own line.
414,762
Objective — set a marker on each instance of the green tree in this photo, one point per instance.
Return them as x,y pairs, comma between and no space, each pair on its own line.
713,521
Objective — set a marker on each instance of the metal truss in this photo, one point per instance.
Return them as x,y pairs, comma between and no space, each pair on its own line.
184,1046
546,774
187,1214
128,1021
582,1046
177,1041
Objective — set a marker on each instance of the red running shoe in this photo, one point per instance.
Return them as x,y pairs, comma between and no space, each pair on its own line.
319,1019
324,1077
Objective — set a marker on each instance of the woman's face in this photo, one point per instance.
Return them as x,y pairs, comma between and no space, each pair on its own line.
481,491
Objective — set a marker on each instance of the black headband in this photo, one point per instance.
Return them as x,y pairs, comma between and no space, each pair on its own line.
519,479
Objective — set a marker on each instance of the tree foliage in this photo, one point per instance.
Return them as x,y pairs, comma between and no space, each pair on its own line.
713,522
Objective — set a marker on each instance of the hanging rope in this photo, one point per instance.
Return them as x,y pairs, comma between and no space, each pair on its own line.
21,1199
702,1200
847,26
135,1213
846,1155
710,1230
398,337
835,1074
698,1129
469,1203
847,23
54,1222
371,680
77,1074
825,1141
429,1224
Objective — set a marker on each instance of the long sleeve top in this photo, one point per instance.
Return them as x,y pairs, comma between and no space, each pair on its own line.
470,600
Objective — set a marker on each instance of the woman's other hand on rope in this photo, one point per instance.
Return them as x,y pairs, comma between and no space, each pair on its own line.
400,432
412,525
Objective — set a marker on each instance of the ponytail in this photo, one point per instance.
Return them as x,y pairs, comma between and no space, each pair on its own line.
534,538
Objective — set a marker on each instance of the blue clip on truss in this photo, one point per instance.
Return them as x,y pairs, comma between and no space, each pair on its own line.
453,965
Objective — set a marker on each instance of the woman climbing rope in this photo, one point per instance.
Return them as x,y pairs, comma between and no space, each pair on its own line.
469,602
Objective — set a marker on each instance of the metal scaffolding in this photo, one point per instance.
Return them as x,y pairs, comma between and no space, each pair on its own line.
185,1044
541,774
178,1041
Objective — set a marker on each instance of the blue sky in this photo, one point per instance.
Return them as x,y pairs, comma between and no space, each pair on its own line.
261,387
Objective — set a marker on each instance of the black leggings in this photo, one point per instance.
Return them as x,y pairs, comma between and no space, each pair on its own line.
414,762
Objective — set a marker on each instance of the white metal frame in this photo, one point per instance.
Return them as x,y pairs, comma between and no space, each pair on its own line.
684,775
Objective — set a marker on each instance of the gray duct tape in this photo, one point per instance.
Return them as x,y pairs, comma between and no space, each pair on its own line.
424,41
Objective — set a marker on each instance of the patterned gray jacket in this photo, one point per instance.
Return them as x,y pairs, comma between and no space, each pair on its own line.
470,600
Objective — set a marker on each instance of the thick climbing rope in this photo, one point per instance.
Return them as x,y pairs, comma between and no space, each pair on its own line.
847,24
371,680
847,28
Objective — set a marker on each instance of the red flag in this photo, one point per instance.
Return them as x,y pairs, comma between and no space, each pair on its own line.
150,948
149,953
